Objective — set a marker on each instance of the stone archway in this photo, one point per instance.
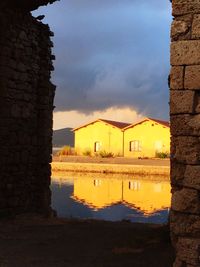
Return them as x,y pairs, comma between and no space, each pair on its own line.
185,129
26,105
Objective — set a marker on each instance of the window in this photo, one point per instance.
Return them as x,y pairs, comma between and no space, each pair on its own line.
134,185
97,182
135,146
97,146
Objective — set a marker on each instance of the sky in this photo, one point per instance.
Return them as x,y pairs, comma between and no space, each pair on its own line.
112,59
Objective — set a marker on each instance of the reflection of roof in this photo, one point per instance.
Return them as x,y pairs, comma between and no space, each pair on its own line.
116,124
92,205
145,210
161,122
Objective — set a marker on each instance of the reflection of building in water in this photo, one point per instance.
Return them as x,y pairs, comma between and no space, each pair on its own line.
97,193
146,196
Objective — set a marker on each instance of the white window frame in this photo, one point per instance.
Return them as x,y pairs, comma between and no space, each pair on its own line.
135,146
97,146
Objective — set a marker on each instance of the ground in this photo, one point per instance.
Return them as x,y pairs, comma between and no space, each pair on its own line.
63,243
117,160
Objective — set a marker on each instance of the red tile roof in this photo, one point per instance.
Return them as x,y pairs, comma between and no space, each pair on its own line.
117,124
164,123
123,125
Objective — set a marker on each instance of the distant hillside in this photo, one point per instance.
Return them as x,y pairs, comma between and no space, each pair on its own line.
63,137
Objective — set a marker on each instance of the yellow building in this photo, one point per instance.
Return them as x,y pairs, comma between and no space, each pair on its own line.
100,135
146,138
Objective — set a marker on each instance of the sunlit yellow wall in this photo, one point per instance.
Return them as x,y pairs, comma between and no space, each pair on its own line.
148,132
97,193
110,137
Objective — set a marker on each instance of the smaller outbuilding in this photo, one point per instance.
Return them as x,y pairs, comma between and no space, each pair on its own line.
147,138
100,135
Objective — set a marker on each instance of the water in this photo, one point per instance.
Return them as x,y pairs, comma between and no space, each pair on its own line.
111,198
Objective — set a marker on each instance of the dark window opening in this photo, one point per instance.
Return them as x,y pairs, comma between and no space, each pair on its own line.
135,146
97,146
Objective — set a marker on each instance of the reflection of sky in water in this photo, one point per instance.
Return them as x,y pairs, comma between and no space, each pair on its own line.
68,207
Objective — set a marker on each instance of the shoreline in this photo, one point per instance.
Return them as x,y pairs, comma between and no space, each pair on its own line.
108,168
61,176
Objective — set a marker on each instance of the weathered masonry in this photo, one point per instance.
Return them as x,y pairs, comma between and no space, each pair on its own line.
26,104
185,129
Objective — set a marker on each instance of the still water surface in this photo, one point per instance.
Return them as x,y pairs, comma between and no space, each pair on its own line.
112,198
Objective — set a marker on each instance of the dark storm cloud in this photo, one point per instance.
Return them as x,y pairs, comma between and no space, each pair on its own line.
111,53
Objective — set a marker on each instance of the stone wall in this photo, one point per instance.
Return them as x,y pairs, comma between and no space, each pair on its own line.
185,129
26,105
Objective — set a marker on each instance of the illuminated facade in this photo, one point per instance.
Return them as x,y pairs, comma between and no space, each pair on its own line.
100,135
146,138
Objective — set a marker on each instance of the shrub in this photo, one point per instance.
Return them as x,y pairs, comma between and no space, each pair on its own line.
119,155
66,151
87,152
105,154
162,155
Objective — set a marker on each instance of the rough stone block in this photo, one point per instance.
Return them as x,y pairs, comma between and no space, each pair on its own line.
180,7
197,102
192,176
196,26
181,101
186,200
182,29
176,77
185,52
188,250
184,224
186,149
179,28
177,172
192,77
185,125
